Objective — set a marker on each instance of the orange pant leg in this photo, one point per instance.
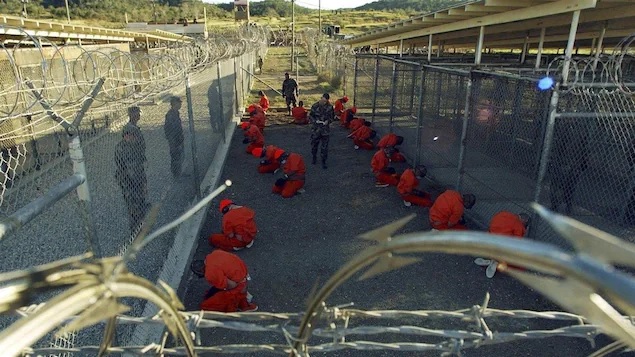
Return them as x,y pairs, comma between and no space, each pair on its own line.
221,241
397,157
391,179
366,145
223,301
291,187
252,146
416,200
268,168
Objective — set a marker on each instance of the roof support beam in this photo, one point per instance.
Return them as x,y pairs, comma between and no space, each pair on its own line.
429,48
479,46
552,8
575,18
541,43
598,50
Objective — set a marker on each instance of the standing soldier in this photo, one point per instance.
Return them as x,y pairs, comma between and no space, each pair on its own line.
174,133
134,115
290,91
130,173
321,116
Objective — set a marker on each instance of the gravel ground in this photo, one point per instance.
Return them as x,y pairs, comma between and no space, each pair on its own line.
304,240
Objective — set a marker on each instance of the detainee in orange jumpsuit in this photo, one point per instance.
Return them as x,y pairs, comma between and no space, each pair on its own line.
363,137
267,165
257,116
229,277
264,101
384,174
408,188
356,123
294,174
239,227
338,107
447,210
300,114
347,116
391,141
511,225
253,136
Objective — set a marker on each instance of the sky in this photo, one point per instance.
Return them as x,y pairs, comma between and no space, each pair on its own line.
314,4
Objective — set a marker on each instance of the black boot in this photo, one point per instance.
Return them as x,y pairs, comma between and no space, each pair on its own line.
314,160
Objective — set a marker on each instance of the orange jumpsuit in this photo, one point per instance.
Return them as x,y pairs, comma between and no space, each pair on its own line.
299,115
508,224
447,211
338,107
379,164
390,141
264,103
361,138
239,229
258,119
346,117
256,139
356,124
270,164
407,188
295,170
220,266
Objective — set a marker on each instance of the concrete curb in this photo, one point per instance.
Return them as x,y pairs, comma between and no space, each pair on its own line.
185,242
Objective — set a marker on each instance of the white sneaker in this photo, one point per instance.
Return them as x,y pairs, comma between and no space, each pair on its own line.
301,190
356,147
491,269
250,244
249,297
407,204
379,184
482,262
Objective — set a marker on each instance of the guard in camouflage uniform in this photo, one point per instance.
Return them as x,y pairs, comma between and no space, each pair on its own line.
321,117
130,173
173,129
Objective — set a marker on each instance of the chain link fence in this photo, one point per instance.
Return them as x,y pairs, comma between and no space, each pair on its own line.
487,132
92,137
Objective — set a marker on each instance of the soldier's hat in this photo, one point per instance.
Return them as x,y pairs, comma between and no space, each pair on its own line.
134,110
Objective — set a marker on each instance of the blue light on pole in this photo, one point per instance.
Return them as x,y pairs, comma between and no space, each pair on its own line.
545,83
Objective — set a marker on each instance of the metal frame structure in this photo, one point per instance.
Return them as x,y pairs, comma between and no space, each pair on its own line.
483,25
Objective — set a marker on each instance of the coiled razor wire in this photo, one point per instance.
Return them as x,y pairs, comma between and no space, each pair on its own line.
599,73
66,74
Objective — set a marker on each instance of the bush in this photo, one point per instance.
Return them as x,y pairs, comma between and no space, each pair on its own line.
336,82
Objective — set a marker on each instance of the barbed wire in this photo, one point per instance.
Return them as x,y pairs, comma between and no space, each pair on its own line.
66,74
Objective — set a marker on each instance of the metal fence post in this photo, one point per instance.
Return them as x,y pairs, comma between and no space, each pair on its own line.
190,119
220,100
237,108
376,79
83,194
466,118
242,84
393,94
422,71
546,146
355,82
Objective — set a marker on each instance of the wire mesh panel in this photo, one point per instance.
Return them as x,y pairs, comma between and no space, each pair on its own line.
405,105
364,83
383,95
504,142
443,106
591,160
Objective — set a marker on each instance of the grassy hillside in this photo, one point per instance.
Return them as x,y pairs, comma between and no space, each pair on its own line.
274,13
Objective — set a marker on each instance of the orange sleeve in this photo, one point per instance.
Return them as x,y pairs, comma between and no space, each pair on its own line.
456,211
379,162
213,274
407,182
